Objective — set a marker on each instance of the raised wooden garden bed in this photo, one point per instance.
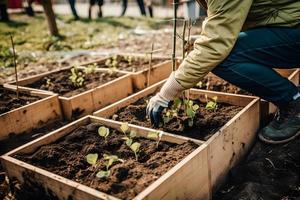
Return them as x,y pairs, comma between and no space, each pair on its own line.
227,142
101,89
176,169
29,111
138,66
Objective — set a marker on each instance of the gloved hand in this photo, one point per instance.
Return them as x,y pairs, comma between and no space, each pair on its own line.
162,99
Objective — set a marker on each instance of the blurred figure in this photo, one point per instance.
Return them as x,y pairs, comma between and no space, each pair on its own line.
100,4
28,8
140,4
3,11
149,6
73,9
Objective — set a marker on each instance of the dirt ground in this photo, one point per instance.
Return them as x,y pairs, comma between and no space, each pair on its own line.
270,172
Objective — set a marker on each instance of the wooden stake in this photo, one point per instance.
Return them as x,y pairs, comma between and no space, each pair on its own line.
15,64
189,32
174,36
150,63
183,39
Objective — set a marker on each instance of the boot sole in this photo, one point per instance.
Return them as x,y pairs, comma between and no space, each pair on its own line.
269,141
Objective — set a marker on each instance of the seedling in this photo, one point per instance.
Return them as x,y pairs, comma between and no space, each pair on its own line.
124,127
112,63
134,146
90,69
92,158
212,105
110,160
103,132
190,111
156,135
77,77
128,59
49,82
188,106
173,112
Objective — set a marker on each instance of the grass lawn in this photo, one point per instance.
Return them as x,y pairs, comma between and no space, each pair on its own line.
32,35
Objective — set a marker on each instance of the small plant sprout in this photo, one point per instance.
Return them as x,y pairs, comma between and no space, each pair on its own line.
77,77
156,135
110,160
90,68
129,140
212,105
173,112
103,132
135,147
190,111
92,158
124,127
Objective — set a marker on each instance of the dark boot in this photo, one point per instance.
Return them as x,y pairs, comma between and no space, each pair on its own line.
285,126
3,13
29,11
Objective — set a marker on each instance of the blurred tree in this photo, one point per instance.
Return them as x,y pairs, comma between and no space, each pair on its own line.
47,5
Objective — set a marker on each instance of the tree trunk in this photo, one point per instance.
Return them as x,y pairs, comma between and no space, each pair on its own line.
47,5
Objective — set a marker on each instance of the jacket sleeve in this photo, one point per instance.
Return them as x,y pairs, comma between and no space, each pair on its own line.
219,33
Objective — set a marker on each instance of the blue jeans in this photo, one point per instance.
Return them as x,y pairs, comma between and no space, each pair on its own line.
256,52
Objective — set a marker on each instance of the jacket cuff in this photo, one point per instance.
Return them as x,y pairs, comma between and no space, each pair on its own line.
171,88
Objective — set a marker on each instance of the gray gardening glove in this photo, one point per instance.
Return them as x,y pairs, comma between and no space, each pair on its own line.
161,100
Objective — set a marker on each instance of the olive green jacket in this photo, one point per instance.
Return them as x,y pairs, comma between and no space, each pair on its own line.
225,20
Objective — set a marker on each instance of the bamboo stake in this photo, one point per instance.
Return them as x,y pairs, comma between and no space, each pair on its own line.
150,63
15,64
183,39
174,36
189,32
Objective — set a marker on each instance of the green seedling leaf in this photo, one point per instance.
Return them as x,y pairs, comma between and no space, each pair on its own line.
135,147
124,127
132,134
92,158
128,141
190,113
111,159
211,105
177,103
196,107
103,132
103,174
153,135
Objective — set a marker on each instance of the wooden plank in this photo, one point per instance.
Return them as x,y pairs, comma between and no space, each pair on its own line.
143,131
232,142
188,180
192,169
158,73
30,116
111,109
63,188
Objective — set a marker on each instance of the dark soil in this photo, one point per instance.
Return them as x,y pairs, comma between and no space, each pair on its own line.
9,100
214,83
270,172
60,82
13,142
66,157
206,122
133,64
